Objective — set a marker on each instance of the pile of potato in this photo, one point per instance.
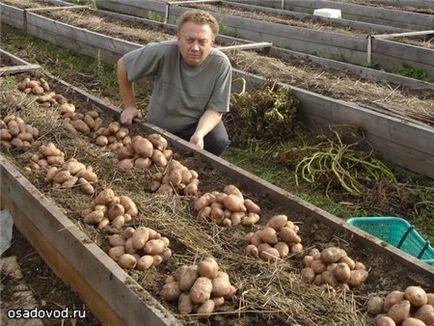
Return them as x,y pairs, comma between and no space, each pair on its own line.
14,132
109,209
198,288
139,248
413,307
143,151
48,155
35,86
82,122
178,178
227,208
114,136
71,174
276,240
332,266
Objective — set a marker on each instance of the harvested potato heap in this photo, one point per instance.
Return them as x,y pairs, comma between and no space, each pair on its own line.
47,156
71,174
332,266
227,208
276,240
14,132
40,87
413,307
198,288
114,136
143,151
109,209
82,122
177,177
139,248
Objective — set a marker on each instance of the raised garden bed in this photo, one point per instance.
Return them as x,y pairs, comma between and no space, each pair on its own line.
367,11
104,282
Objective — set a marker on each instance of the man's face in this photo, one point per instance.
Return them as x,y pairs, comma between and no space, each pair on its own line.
195,43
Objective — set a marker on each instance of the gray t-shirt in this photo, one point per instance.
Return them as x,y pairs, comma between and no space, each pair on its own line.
181,93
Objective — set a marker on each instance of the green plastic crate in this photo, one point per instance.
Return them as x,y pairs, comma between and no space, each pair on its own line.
397,232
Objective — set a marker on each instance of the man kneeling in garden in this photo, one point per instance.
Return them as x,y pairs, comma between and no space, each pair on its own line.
192,82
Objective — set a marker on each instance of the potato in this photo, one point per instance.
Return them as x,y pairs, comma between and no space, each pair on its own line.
216,213
142,146
412,322
250,219
201,290
269,254
332,255
307,275
399,311
232,190
384,321
268,235
129,205
61,177
140,237
277,222
289,236
307,261
208,268
234,203
282,248
170,291
158,141
68,183
154,247
187,277
220,286
115,211
426,314
318,280
297,248
342,272
219,301
50,174
157,260
166,254
116,252
392,298
127,261
94,217
191,189
185,306
251,250
158,158
416,295
105,197
357,277
206,308
252,207
85,186
318,266
118,222
116,240
375,305
347,260
430,297
329,278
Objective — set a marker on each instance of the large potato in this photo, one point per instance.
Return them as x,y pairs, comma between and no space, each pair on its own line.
399,311
413,322
416,295
201,290
154,247
375,305
332,255
206,308
186,276
392,298
185,306
170,291
220,286
208,268
140,237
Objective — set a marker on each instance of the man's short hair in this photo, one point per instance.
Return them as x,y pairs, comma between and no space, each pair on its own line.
199,17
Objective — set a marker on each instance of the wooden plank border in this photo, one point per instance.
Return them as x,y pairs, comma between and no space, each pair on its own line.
19,64
78,261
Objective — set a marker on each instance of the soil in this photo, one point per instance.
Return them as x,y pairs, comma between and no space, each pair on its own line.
44,289
383,97
191,239
373,3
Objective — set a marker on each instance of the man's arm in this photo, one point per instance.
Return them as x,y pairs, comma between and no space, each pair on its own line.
126,89
207,122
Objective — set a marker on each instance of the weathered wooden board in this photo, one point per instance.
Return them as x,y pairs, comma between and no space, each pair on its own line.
13,16
312,105
100,282
19,65
375,15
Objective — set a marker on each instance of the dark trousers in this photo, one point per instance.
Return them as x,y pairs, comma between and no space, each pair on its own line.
215,142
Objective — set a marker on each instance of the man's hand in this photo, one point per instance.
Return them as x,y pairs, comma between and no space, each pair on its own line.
197,140
128,114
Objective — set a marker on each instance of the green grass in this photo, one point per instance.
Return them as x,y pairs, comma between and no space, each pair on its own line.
408,70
